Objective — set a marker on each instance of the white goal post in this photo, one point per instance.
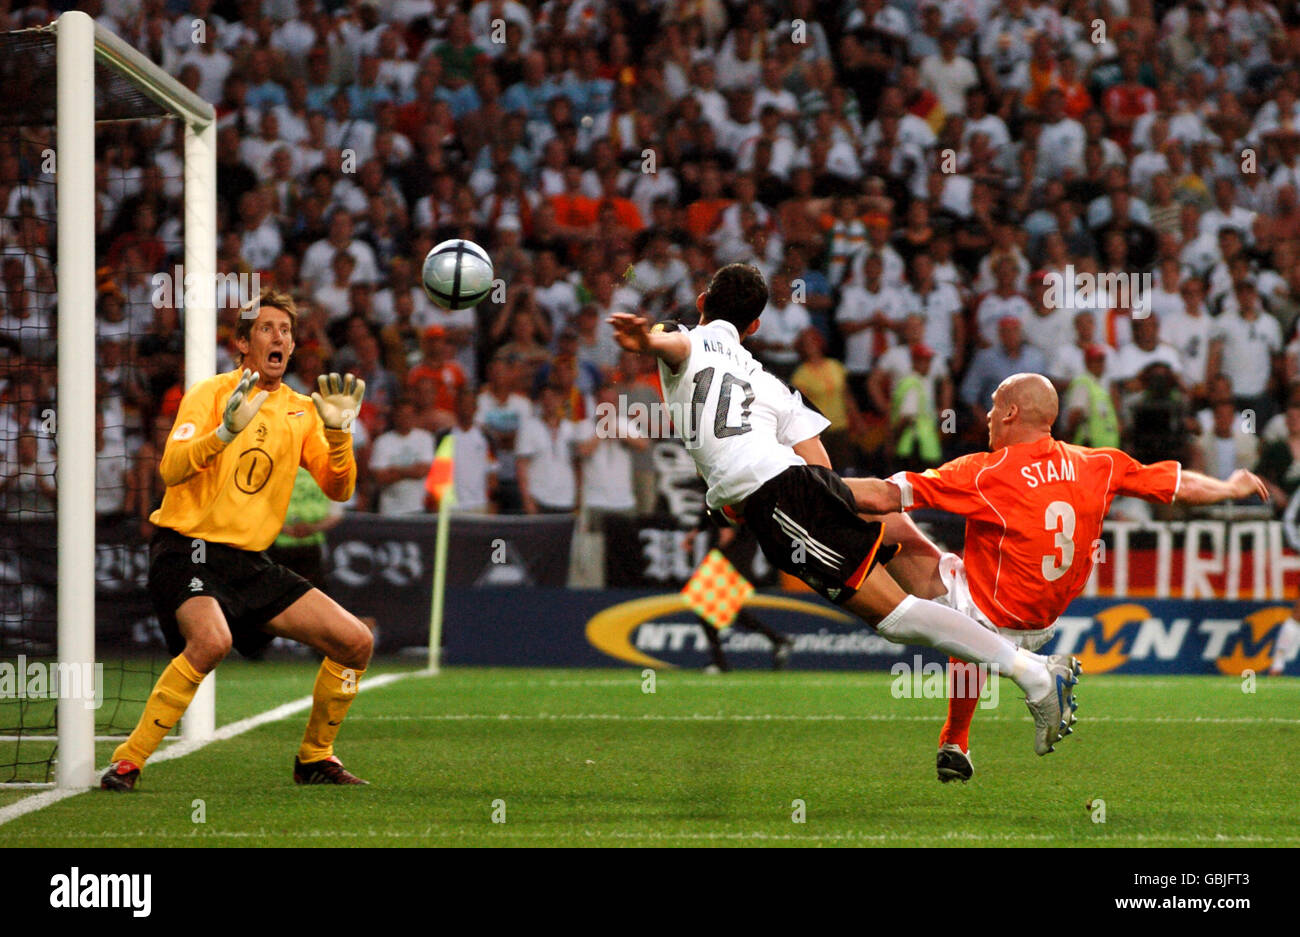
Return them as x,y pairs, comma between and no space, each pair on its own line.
81,44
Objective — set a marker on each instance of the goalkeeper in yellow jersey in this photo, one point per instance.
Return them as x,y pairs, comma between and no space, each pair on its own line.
229,467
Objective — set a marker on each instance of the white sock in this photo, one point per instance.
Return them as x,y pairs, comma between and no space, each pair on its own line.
920,621
1288,637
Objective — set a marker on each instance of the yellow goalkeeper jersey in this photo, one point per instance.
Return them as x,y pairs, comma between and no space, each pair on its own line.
238,493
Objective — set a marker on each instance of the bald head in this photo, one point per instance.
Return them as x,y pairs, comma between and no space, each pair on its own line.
1024,408
1035,396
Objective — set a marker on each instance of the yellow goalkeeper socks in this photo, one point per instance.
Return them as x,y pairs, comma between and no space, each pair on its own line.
336,687
170,698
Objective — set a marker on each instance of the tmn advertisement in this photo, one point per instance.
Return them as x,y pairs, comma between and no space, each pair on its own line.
565,628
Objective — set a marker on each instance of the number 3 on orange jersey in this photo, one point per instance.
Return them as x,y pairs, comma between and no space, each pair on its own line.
1059,513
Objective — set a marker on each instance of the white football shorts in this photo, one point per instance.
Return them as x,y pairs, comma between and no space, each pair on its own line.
952,570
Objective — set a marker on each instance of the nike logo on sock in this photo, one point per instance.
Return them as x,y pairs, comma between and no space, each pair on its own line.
161,726
339,723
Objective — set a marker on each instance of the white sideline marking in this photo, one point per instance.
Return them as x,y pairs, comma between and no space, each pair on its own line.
180,749
690,836
54,739
854,681
793,717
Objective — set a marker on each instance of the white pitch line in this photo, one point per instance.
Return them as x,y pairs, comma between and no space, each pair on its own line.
186,747
54,739
749,680
792,717
664,836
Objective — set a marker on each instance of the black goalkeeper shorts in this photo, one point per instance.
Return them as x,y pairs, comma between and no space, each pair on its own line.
807,523
250,588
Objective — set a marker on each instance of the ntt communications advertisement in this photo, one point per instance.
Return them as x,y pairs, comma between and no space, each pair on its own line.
1201,597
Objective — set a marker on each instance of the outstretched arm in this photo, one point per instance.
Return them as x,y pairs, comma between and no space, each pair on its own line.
1196,488
875,495
633,333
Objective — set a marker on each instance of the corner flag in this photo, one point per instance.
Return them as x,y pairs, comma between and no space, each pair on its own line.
717,590
440,481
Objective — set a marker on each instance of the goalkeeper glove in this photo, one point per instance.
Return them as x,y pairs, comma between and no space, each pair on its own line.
339,400
240,408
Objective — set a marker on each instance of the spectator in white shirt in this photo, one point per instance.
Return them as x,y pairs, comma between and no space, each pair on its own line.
893,269
1189,330
318,258
27,483
658,275
1246,346
605,447
260,242
546,460
554,295
208,57
713,105
1004,301
473,467
1070,361
898,362
111,467
866,318
774,93
1049,328
948,74
1060,145
979,120
1144,350
781,322
1226,213
1226,442
335,297
400,461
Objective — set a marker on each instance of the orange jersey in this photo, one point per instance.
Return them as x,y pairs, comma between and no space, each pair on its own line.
238,493
1033,517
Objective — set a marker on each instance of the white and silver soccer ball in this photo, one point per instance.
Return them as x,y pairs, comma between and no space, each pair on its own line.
457,274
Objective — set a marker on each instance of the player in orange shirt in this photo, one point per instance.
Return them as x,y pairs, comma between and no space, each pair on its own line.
1034,508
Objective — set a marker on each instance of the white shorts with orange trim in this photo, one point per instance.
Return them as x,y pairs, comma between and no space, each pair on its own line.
952,570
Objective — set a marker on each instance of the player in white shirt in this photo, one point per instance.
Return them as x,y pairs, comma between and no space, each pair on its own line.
758,448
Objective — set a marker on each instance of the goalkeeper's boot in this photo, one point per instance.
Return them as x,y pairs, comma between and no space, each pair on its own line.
1054,714
326,771
953,764
120,776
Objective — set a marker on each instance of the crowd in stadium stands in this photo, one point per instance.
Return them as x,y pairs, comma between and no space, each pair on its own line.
916,179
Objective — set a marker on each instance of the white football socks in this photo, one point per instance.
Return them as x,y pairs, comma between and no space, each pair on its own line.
1288,638
921,621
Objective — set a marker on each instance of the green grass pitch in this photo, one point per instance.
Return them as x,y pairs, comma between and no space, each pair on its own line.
587,758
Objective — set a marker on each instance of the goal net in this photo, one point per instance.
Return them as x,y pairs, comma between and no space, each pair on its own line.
107,278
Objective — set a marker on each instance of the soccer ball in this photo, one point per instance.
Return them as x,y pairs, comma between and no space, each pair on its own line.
457,274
